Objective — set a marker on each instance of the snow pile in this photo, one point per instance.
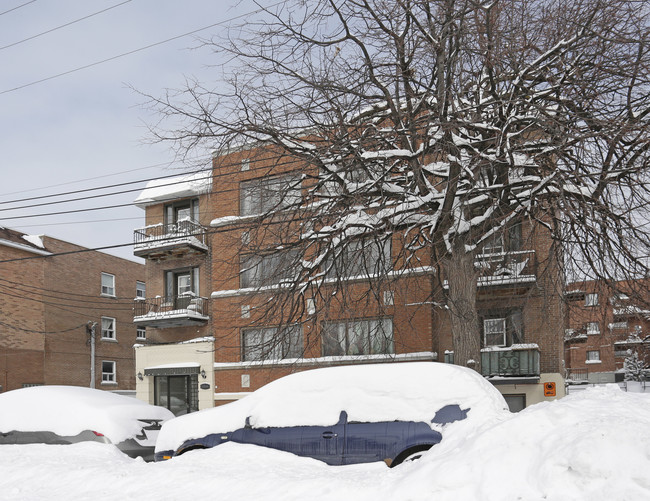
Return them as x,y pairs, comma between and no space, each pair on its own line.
592,446
162,190
411,391
69,410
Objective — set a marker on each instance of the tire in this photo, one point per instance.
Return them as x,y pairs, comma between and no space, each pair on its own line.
410,455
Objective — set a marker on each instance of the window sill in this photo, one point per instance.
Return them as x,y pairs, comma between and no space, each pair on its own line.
109,383
111,296
109,339
593,362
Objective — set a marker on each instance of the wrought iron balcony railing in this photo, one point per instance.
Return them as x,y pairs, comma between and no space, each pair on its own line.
165,237
503,268
171,311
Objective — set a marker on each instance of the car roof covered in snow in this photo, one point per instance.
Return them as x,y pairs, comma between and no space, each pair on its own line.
69,410
410,391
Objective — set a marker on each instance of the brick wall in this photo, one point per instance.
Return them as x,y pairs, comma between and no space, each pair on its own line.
58,296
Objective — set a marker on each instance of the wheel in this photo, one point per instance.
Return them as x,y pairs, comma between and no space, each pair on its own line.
410,455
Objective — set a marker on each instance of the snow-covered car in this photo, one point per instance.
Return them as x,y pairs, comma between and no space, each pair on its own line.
387,412
71,414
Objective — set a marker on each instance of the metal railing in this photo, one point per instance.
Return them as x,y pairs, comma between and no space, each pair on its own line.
506,361
506,266
510,362
577,375
164,233
167,306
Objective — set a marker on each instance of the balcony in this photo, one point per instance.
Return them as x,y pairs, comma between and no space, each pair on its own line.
517,268
519,360
159,241
514,361
175,311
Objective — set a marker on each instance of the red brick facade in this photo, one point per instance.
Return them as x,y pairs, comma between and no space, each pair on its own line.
605,325
47,302
413,301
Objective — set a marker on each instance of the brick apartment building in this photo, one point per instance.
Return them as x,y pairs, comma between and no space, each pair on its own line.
606,324
50,292
210,338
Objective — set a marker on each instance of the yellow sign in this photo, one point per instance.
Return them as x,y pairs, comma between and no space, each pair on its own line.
549,389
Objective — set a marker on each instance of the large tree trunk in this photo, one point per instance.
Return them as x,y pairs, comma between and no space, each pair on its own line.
462,278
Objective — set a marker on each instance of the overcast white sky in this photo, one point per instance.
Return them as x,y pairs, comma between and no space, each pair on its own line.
86,129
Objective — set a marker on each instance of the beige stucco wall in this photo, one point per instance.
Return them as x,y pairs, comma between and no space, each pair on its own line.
184,353
535,392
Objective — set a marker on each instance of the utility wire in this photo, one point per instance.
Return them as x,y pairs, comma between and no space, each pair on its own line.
16,8
131,52
63,25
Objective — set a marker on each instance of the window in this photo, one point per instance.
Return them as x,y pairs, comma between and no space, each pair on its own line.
516,403
358,337
593,356
180,215
261,271
108,328
181,286
259,196
361,258
593,328
591,299
272,343
494,332
141,333
494,245
140,290
108,284
619,326
108,372
502,327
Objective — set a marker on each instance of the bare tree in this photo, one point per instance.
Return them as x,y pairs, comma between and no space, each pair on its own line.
443,122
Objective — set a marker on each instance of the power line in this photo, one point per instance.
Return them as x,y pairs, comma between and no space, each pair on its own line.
16,8
63,25
131,52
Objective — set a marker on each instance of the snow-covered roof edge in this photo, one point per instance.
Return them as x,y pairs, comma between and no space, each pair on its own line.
187,185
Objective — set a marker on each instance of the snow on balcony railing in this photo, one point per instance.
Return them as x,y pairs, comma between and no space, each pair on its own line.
183,306
165,235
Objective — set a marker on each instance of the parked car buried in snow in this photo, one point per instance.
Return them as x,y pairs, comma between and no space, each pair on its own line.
344,415
70,414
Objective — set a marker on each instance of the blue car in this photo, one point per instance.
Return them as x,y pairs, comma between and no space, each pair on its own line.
379,412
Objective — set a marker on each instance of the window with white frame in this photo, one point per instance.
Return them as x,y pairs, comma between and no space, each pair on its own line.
140,290
369,336
259,196
591,299
108,372
494,245
593,328
108,284
494,332
361,258
108,328
261,271
593,356
141,333
272,343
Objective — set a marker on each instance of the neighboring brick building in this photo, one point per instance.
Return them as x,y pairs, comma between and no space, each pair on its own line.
606,324
208,290
49,293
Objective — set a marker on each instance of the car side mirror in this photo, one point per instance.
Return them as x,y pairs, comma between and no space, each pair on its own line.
248,423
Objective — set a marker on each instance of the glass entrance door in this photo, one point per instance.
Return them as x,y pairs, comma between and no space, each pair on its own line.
177,393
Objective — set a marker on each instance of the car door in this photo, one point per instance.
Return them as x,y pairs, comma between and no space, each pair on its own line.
324,443
8,437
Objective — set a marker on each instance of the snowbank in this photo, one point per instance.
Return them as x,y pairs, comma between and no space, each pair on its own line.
592,446
69,410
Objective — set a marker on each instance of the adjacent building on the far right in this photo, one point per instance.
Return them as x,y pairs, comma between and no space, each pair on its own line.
607,324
